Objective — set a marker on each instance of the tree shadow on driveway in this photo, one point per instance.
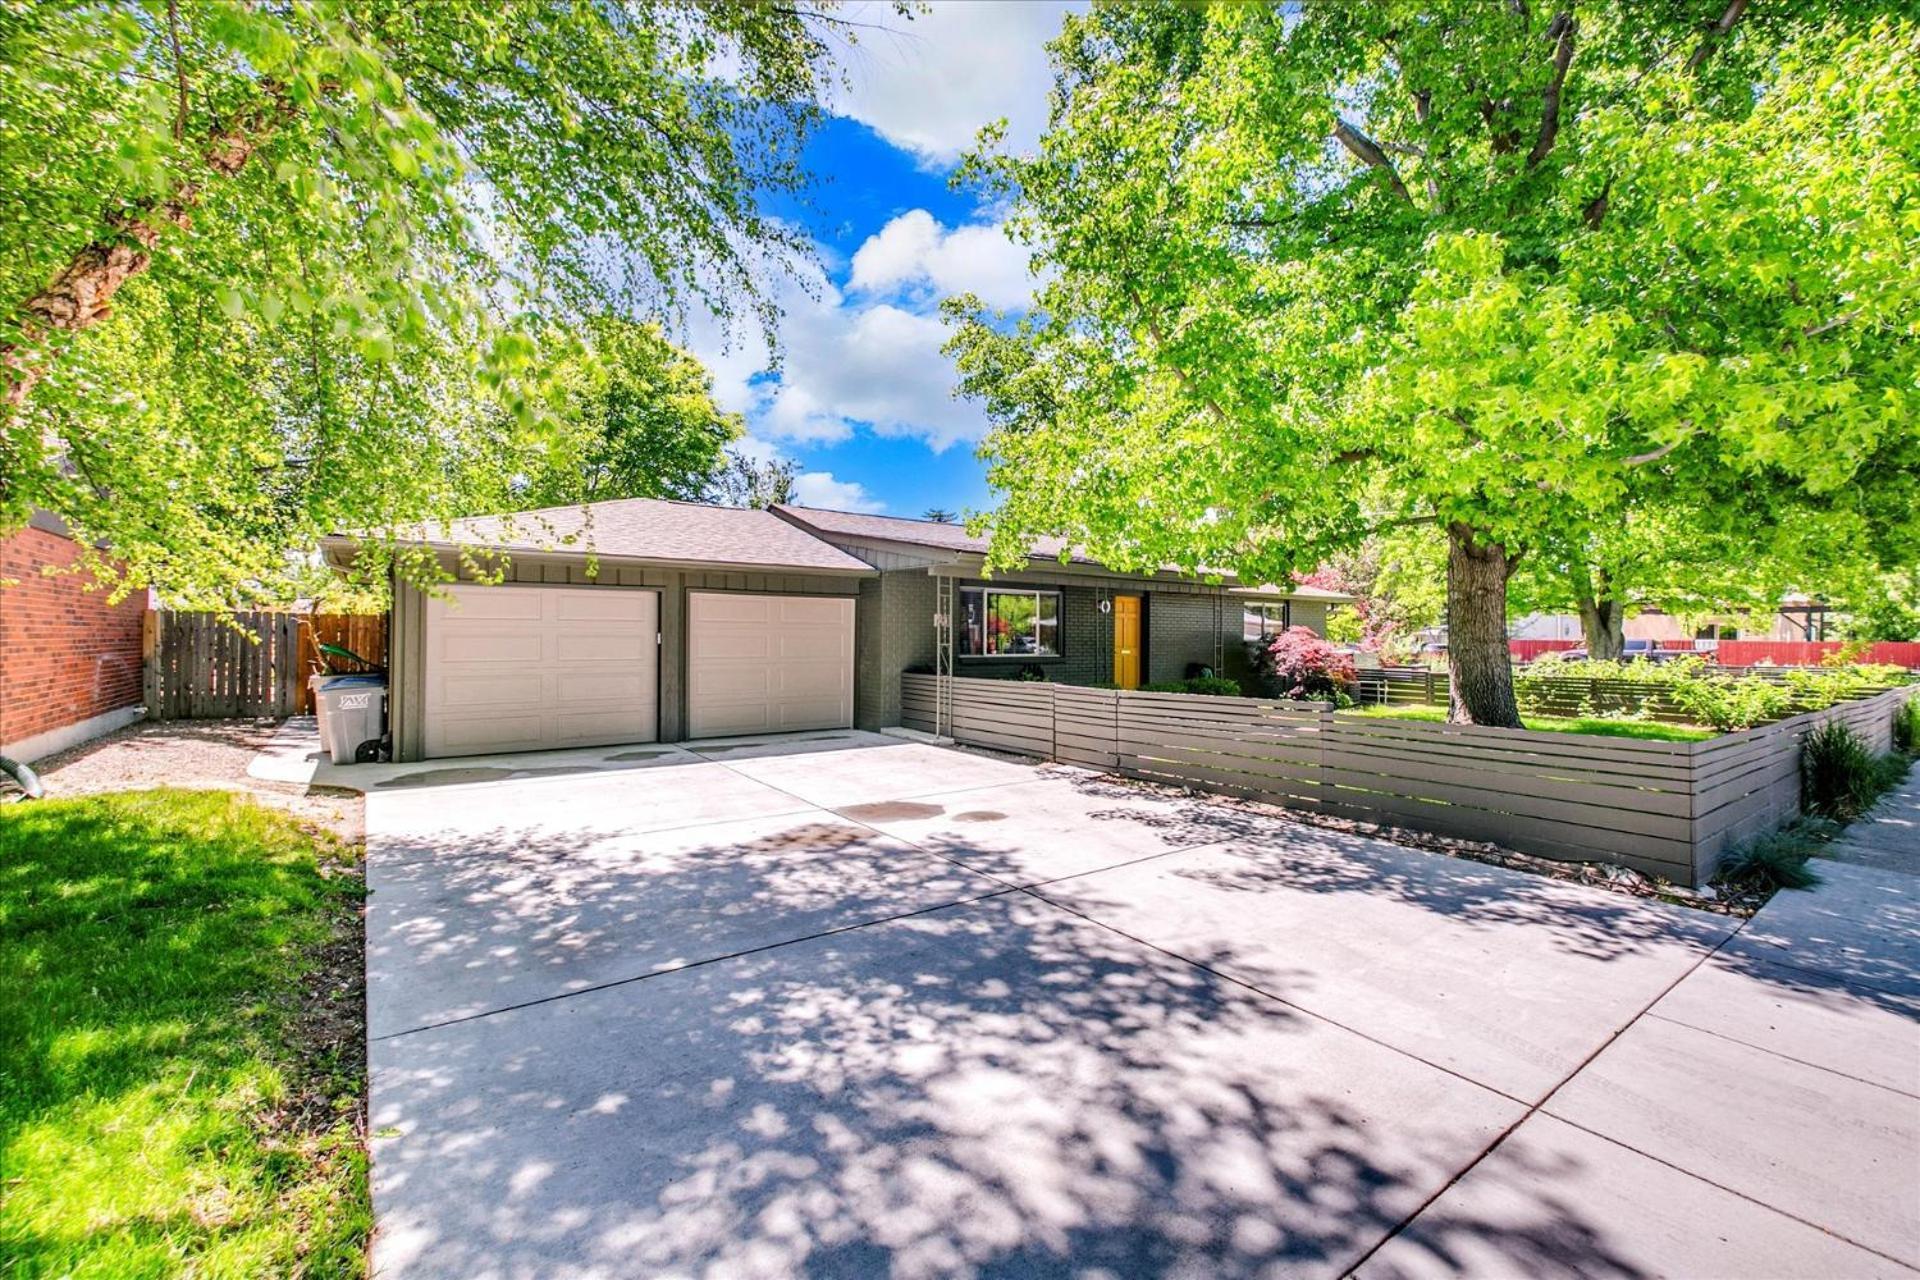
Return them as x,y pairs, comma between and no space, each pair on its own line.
995,1089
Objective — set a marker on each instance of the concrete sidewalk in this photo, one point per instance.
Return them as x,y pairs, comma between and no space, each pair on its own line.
1773,1093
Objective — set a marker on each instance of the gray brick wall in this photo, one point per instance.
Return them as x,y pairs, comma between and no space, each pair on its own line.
893,630
1311,614
1180,630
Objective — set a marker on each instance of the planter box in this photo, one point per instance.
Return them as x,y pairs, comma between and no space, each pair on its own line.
1667,808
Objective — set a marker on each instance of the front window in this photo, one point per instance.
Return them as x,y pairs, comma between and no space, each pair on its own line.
1009,623
1265,621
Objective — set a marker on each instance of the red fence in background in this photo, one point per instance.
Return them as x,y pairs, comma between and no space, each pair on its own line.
1808,653
1528,650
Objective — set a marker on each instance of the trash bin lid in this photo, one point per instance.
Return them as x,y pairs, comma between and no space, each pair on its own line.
335,682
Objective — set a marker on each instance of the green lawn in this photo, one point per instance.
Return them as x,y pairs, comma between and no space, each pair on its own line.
1555,724
180,1031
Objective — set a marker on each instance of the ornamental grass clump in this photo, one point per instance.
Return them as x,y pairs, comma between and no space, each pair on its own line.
1839,777
1906,727
1778,860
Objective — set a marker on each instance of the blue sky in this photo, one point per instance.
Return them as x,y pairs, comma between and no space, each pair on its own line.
863,399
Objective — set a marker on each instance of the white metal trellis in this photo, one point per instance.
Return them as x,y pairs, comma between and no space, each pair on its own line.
944,604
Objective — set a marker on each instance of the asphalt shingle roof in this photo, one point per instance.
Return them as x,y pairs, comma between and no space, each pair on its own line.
954,537
919,533
653,529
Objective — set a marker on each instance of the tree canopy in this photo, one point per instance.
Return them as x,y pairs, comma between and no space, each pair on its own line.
634,418
270,271
744,481
1532,275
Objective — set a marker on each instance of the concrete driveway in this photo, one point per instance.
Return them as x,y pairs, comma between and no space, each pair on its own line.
848,1005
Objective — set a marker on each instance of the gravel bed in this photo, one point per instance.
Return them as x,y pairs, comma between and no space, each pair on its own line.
197,755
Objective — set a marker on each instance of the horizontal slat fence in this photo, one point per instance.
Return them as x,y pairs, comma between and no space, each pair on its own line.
209,666
1669,808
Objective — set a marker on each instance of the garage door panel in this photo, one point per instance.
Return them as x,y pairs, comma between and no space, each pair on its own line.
598,646
809,646
744,646
603,606
492,648
765,663
800,611
807,714
728,721
524,668
476,604
713,607
485,691
810,679
719,685
478,735
605,724
624,690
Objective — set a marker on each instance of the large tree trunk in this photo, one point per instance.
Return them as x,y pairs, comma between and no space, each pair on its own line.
1477,572
1603,620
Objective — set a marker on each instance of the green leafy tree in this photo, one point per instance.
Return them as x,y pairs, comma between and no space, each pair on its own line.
636,419
744,482
1395,579
1513,271
269,270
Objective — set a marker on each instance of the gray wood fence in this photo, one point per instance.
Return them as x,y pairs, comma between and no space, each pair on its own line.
1669,808
208,666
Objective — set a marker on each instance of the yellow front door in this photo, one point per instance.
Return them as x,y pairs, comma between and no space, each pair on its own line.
1126,642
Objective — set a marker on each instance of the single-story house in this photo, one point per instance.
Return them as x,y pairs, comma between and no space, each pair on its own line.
641,619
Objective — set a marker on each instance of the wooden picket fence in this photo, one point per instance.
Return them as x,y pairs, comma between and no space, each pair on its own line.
1668,808
209,666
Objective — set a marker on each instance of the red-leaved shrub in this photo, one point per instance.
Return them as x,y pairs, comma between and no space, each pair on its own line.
1299,664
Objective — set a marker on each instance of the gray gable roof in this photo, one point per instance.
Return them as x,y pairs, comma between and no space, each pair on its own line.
655,529
919,533
954,538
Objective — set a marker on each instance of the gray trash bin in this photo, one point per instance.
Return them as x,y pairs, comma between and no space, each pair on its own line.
321,679
353,714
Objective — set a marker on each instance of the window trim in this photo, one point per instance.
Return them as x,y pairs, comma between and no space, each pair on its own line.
1285,624
1059,624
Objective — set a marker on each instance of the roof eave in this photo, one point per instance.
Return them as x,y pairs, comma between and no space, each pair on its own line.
346,546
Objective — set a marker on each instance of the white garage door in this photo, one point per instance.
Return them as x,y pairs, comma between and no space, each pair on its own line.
761,664
516,668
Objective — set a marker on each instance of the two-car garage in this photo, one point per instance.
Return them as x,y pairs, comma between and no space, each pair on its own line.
527,667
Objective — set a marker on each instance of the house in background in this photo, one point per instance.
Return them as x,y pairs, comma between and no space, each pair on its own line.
640,620
1799,618
70,662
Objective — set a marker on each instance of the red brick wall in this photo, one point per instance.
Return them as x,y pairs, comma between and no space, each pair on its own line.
66,655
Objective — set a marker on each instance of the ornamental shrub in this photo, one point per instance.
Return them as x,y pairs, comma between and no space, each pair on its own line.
1730,703
1300,664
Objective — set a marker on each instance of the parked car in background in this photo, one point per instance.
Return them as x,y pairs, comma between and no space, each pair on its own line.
1636,650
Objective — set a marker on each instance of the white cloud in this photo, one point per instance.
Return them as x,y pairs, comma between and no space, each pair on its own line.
915,253
931,83
820,489
846,365
879,367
